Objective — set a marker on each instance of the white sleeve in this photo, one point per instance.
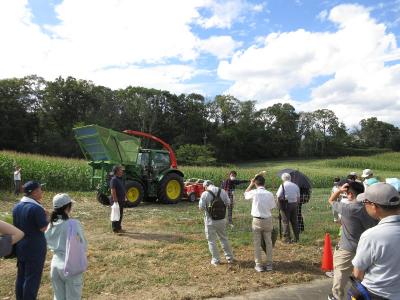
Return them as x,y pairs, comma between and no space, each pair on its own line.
202,202
279,192
249,195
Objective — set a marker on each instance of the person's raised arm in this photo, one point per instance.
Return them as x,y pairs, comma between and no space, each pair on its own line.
251,185
334,196
16,234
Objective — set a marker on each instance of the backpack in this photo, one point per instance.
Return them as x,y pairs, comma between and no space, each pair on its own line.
75,252
217,207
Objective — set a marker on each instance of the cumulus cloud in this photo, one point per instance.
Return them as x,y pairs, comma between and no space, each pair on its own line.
220,46
224,13
115,43
354,58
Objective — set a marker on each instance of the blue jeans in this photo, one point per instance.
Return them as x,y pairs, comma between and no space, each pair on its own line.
29,274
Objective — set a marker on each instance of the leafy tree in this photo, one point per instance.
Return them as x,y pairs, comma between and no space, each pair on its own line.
197,155
376,133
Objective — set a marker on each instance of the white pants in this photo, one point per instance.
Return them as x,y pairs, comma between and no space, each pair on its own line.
66,288
214,231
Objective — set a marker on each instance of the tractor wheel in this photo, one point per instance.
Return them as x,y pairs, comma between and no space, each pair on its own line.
171,189
103,199
192,197
134,193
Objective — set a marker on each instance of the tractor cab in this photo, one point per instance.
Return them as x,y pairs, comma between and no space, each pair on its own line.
153,162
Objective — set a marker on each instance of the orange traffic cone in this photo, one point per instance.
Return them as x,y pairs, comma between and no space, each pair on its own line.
327,257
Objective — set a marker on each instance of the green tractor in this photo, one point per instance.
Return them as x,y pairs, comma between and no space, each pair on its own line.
149,174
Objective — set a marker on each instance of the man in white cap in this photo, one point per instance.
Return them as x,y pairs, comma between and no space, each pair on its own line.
377,262
369,178
213,202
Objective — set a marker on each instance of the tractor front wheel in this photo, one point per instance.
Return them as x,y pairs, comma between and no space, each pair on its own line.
171,189
134,193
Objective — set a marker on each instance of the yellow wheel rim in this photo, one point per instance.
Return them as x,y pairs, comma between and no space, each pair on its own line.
133,194
173,189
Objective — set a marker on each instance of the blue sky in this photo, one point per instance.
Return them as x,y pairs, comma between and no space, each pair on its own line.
341,55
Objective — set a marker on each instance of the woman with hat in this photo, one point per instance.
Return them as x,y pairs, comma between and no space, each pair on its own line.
65,286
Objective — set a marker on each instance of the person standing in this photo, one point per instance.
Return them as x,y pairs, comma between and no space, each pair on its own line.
369,178
64,287
262,203
17,180
229,186
30,217
215,228
118,194
289,196
354,220
377,260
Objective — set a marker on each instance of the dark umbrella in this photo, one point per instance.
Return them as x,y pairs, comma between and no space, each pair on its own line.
297,177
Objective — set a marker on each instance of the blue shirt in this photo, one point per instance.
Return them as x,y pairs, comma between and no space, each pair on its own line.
118,184
30,218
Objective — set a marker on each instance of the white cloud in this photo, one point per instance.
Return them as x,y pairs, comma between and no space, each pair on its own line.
220,46
223,13
108,40
354,56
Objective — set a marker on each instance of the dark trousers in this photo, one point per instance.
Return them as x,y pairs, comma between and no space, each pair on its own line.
230,208
290,215
300,220
116,225
29,274
17,185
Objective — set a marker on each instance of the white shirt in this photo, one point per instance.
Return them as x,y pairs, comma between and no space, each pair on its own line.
378,256
262,202
17,175
292,191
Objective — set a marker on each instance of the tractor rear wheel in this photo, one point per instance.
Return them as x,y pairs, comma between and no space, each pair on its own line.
103,199
134,193
192,197
171,189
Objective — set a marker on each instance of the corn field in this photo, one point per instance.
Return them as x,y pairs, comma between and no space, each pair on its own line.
74,175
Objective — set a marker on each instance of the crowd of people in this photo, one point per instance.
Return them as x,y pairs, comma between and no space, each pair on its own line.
369,214
367,210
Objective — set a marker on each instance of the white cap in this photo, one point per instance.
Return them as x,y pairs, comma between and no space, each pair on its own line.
353,173
60,200
207,183
366,173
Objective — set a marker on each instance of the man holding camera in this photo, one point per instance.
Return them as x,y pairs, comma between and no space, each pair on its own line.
355,220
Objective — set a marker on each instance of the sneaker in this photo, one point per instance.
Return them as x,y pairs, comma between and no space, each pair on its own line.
329,274
268,268
215,263
231,225
331,297
259,268
230,261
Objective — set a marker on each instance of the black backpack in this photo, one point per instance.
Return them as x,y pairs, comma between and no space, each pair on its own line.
217,207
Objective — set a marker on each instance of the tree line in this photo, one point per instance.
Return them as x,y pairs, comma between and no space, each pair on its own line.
37,116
